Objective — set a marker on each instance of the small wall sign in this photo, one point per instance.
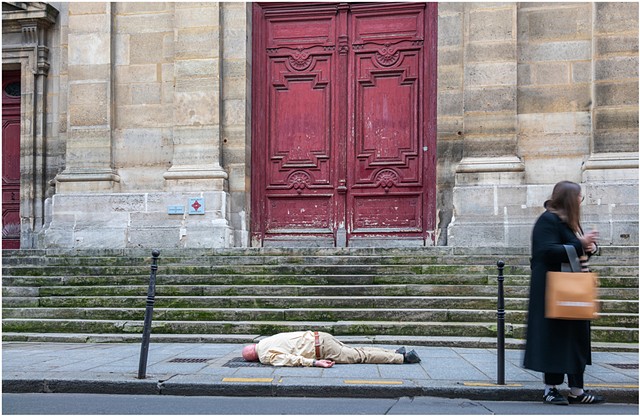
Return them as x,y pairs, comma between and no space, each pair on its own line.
175,210
196,206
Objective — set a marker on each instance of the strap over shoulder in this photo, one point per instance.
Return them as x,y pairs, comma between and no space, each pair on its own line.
574,261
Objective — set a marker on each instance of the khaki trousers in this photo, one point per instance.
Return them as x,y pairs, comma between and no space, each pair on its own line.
334,350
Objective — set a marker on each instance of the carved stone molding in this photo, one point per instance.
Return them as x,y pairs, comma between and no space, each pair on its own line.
25,28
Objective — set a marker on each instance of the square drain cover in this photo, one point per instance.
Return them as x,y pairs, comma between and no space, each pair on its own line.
625,366
240,362
190,360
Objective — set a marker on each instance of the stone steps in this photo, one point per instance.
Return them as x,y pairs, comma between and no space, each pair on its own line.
316,270
414,328
434,293
627,320
620,293
198,302
282,280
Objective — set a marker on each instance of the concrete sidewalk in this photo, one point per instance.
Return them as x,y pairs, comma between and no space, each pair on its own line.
216,369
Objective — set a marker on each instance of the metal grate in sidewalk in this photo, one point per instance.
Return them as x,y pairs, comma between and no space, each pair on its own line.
240,362
190,360
625,366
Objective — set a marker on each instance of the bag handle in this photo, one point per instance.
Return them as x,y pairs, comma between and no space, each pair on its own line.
573,258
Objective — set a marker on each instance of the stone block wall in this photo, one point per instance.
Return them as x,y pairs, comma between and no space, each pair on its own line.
153,104
148,105
544,92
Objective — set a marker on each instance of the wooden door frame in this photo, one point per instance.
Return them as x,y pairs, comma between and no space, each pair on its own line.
258,126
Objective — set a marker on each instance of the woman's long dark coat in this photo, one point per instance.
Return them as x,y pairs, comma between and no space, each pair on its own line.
553,345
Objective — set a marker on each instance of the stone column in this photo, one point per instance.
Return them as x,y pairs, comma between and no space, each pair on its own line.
236,113
490,90
490,174
196,165
450,108
610,174
197,95
89,154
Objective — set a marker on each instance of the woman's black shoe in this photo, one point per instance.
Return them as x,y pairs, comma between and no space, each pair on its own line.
586,398
554,397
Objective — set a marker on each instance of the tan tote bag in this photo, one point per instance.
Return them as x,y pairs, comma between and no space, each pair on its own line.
574,294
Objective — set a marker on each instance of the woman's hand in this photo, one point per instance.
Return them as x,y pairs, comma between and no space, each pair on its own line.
589,240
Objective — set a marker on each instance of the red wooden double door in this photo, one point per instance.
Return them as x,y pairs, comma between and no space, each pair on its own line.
344,116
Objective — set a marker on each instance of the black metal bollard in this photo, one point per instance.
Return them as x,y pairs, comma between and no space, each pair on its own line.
501,315
148,314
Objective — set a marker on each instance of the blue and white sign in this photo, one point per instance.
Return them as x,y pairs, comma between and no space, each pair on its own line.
196,206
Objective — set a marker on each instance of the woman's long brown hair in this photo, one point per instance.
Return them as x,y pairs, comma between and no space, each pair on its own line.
564,202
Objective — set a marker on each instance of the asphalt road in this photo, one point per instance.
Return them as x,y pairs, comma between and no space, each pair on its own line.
104,404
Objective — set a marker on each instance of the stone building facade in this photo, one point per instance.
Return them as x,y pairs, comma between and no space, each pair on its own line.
136,121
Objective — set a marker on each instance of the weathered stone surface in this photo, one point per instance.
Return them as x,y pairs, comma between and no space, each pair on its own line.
615,141
450,56
89,23
450,103
490,74
490,124
155,147
554,100
490,99
490,145
137,73
616,119
559,23
197,43
581,72
579,50
616,17
625,93
146,48
89,48
491,25
553,73
80,8
552,169
88,115
144,116
490,52
450,30
560,123
145,23
610,45
620,67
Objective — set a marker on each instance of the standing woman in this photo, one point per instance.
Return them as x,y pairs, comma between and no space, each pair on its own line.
557,347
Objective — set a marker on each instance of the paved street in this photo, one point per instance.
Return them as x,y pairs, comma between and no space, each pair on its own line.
89,404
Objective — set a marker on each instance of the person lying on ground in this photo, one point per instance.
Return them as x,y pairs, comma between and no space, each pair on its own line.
320,349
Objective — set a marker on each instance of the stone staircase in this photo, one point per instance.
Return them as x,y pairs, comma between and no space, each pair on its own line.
428,296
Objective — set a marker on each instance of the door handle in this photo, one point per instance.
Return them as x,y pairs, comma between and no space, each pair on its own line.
342,186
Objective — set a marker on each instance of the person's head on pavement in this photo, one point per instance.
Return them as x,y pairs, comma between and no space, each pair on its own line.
249,353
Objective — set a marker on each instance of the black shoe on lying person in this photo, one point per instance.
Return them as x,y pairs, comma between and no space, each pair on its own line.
411,357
